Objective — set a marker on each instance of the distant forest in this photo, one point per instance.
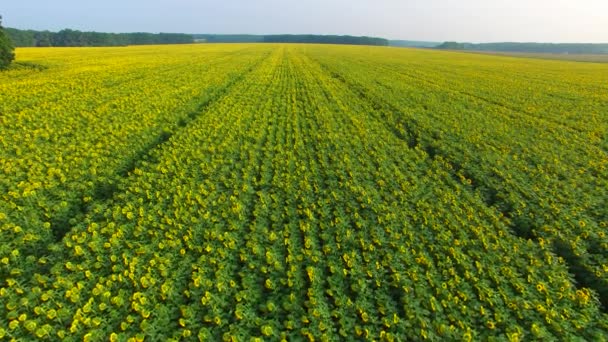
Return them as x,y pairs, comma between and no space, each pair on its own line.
413,43
228,38
290,38
308,38
529,47
67,37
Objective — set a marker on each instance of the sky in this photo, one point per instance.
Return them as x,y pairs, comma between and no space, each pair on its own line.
565,21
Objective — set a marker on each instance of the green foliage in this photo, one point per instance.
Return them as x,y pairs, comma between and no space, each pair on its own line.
67,37
324,39
413,43
451,46
290,38
572,48
7,54
228,38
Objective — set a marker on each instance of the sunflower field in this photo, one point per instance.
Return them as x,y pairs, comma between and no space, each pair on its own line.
285,192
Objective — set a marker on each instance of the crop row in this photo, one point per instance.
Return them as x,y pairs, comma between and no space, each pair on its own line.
71,132
548,178
295,205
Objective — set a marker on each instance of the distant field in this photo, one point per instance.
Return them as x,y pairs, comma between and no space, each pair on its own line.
563,57
302,192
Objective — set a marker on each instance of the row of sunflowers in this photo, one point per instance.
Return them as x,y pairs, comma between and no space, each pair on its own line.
290,192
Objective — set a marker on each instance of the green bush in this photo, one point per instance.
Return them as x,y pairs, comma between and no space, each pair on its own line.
6,48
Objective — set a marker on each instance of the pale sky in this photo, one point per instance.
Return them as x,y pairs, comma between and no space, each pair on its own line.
429,20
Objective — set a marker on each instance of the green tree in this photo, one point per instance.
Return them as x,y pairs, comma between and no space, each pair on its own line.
42,38
6,48
452,46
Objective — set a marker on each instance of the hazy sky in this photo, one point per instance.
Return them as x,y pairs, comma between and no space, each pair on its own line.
434,20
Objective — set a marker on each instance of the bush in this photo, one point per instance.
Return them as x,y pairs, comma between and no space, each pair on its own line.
6,48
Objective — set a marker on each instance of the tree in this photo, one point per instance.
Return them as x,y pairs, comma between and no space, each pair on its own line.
452,46
42,38
67,37
6,48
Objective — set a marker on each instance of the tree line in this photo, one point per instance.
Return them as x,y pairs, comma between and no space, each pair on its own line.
324,39
529,47
289,38
67,37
